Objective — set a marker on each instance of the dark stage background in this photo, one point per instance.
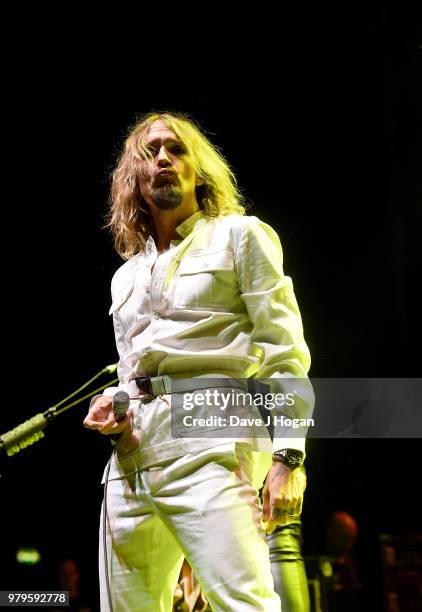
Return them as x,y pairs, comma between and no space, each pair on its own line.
326,147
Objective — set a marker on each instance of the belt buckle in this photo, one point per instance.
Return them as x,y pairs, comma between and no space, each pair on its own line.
144,384
257,387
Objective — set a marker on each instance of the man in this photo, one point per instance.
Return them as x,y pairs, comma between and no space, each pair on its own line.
69,578
202,295
341,536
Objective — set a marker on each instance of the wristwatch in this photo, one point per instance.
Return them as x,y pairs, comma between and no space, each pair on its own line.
291,457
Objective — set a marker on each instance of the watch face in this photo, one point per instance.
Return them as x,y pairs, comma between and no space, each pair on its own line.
294,455
291,457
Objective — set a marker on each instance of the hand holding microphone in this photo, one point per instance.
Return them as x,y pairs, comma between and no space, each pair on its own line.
109,414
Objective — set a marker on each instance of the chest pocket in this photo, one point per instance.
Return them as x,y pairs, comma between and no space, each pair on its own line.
206,280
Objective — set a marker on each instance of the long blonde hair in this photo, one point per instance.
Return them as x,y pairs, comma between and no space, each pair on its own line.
129,219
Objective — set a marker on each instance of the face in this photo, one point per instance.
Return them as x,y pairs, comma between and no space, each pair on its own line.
169,179
342,535
343,541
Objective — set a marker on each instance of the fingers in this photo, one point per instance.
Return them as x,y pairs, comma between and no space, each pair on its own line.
298,481
282,508
278,511
109,425
90,424
268,526
280,518
265,503
282,497
282,515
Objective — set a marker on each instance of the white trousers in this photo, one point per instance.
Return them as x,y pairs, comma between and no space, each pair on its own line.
203,506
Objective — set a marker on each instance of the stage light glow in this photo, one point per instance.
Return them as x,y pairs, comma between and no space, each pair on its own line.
28,555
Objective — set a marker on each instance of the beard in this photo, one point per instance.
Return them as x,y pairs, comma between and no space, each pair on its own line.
166,196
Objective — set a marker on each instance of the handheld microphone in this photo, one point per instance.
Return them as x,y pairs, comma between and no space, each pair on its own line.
121,403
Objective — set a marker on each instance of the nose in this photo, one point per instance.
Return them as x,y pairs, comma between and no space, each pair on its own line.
163,159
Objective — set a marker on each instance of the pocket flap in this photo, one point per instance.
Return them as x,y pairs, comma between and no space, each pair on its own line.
206,262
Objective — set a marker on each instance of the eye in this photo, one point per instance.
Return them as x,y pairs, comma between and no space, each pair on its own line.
151,150
177,149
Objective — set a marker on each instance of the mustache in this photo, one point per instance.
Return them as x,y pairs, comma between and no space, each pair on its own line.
165,179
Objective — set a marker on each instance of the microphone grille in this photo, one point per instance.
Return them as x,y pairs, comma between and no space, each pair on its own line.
121,403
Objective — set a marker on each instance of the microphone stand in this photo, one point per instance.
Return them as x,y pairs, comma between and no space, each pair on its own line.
30,431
